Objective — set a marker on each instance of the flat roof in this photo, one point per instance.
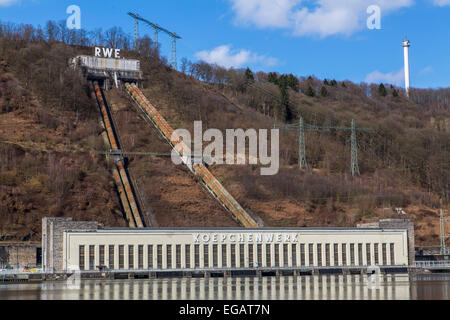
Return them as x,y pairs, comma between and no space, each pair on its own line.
141,230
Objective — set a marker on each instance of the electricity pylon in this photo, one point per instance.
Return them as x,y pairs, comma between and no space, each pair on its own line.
302,128
156,29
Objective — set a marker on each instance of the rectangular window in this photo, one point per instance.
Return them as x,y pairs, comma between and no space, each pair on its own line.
81,257
285,254
242,256
352,254
206,255
277,255
150,256
384,254
327,254
311,254
215,254
259,254
111,257
121,256
344,254
369,260
140,257
101,253
187,255
91,257
377,260
336,254
302,255
178,256
392,254
294,255
319,254
224,255
360,254
169,256
130,257
159,256
233,256
268,256
250,256
197,255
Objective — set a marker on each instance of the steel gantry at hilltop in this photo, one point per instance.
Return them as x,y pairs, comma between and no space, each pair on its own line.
156,28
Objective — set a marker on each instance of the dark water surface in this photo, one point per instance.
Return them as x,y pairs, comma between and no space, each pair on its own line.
325,287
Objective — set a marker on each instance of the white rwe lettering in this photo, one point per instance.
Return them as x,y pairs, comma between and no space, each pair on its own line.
107,52
98,51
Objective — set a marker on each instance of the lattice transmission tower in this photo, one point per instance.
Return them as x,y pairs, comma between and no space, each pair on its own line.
302,128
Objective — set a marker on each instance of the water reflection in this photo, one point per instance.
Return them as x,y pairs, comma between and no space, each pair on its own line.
326,287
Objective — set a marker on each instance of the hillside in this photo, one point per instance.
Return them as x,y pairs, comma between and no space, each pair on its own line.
49,136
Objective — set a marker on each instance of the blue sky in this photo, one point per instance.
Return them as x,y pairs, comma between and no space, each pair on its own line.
325,38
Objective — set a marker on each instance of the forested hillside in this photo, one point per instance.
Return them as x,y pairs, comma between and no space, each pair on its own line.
49,140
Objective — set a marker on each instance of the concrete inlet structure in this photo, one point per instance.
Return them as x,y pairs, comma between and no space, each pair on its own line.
108,71
92,249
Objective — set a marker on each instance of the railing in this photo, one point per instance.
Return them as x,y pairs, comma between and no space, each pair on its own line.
432,264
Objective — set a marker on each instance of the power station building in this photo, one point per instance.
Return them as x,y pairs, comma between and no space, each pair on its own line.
93,248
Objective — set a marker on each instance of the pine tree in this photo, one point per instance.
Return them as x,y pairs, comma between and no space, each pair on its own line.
285,112
249,75
326,83
310,92
382,90
333,83
272,77
323,91
395,93
343,84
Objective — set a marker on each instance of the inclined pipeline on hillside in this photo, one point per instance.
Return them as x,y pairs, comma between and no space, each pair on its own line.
176,142
120,173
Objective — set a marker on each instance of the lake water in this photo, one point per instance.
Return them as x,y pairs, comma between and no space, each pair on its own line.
325,287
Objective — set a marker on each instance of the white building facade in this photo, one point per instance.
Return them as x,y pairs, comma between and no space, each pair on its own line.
181,249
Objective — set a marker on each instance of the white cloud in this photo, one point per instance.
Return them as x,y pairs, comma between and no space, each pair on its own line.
7,3
426,70
396,78
226,57
312,17
264,13
441,3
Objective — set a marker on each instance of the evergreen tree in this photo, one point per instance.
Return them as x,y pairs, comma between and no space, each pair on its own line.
249,75
310,92
333,83
343,84
382,90
272,77
285,111
323,91
395,93
326,83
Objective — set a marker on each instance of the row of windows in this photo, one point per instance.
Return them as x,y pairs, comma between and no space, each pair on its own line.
335,255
